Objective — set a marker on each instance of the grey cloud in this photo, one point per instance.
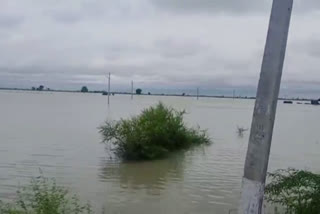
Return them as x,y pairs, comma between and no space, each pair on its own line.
230,6
73,11
72,44
180,48
10,21
66,16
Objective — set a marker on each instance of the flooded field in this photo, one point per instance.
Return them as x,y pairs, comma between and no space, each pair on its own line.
57,133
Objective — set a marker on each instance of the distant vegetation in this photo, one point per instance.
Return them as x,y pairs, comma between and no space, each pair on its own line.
297,190
153,134
139,91
84,89
40,88
44,196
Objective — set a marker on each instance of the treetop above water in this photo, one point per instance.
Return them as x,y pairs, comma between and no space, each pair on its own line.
155,133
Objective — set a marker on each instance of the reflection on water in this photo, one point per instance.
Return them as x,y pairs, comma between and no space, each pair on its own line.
57,132
149,175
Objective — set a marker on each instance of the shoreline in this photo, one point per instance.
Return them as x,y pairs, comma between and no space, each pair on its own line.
156,94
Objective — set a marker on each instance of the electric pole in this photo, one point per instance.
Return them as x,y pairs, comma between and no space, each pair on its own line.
197,93
131,90
257,159
109,88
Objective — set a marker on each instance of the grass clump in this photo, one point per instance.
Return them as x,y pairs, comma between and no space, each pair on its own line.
297,190
153,134
44,196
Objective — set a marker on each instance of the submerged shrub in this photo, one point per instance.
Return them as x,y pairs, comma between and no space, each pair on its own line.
153,134
297,190
44,196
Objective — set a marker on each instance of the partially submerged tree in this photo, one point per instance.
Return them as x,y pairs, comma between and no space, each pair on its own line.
153,134
40,88
84,89
297,190
138,91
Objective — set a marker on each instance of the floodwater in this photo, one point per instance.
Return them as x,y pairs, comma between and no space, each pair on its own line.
57,133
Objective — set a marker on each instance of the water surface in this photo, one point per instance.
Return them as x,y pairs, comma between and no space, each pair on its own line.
57,133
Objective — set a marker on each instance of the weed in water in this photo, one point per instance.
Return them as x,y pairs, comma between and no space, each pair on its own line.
297,190
44,196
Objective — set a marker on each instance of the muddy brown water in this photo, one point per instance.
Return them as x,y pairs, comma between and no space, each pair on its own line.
57,133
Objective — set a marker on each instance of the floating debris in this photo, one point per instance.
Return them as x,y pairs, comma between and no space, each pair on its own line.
241,130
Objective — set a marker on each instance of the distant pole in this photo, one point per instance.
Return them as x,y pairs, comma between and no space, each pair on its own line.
234,93
109,88
197,93
257,159
131,90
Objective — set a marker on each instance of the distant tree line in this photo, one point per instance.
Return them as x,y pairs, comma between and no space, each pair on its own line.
40,88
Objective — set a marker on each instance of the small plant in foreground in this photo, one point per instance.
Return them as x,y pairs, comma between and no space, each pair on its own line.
153,134
297,190
44,196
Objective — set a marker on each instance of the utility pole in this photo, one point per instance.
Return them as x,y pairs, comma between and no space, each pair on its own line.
132,90
257,159
197,93
109,88
234,93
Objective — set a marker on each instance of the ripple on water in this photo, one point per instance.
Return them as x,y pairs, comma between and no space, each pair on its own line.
202,181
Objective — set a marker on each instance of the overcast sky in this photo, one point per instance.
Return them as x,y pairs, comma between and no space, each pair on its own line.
159,44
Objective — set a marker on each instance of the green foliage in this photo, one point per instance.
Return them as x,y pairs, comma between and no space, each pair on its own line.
297,190
40,88
139,91
153,134
44,196
84,89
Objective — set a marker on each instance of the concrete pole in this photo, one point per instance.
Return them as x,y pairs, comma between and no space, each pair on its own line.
131,90
109,88
257,159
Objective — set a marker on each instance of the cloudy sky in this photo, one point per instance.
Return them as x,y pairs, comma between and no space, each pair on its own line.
160,44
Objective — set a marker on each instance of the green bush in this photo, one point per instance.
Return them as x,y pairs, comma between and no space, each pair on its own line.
297,190
153,134
44,196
